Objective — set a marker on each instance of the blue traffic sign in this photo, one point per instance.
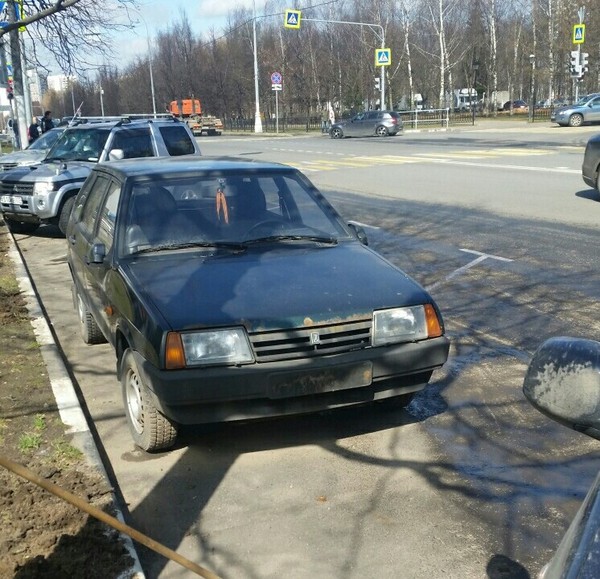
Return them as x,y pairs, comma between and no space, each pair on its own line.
292,19
383,57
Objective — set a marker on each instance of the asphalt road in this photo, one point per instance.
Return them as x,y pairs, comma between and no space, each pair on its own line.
470,481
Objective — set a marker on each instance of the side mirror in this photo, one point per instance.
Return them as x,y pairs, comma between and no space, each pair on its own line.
116,155
97,253
563,382
359,232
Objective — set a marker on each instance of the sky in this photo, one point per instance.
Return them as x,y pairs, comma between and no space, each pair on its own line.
203,16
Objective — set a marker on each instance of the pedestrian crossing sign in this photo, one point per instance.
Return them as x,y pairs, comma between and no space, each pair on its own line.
578,33
292,19
383,57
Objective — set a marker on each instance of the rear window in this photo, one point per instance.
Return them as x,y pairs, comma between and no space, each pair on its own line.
177,140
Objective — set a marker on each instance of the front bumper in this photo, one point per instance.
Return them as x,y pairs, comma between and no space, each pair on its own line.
220,394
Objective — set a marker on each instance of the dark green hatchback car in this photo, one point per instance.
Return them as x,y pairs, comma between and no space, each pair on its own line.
233,290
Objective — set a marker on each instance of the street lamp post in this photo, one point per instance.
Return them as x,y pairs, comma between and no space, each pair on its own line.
101,100
257,120
532,89
474,103
150,66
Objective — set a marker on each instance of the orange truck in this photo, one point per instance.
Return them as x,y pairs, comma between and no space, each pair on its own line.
190,110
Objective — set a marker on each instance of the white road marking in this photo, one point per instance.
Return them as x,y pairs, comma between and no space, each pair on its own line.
481,257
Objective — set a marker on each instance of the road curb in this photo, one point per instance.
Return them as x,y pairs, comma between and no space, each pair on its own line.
64,392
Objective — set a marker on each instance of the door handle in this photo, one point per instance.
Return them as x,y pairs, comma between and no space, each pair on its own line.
72,239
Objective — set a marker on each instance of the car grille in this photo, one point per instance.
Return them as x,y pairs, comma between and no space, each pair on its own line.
309,342
8,166
15,188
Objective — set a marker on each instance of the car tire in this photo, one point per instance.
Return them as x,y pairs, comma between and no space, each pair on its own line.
381,131
65,213
336,133
598,181
150,429
20,226
89,329
576,120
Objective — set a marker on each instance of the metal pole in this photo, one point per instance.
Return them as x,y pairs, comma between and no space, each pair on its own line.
101,101
276,111
150,65
257,120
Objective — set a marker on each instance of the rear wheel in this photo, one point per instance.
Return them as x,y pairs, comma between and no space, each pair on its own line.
150,429
576,120
21,226
65,213
381,131
90,332
336,133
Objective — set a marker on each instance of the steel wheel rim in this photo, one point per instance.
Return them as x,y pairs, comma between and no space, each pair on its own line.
135,406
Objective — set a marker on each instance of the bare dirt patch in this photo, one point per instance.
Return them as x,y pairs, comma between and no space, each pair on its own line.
42,535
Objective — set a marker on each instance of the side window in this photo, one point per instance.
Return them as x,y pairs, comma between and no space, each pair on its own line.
91,204
177,140
108,215
134,143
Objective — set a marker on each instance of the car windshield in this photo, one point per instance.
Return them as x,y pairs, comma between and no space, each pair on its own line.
45,141
228,212
79,145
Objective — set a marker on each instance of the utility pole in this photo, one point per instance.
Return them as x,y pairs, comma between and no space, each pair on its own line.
15,56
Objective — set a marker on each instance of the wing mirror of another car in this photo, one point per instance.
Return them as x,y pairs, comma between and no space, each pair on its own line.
116,155
563,382
358,232
97,253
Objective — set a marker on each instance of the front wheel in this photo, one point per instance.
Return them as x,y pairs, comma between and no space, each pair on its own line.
150,429
336,133
576,120
381,131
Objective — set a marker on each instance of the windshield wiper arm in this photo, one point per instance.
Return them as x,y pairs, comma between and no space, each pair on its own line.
186,245
313,238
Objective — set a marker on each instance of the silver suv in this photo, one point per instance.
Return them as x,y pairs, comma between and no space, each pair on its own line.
45,193
368,123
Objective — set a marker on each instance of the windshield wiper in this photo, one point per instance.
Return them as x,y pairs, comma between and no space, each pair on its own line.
187,245
313,238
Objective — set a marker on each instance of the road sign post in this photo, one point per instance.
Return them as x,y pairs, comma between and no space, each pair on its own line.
276,85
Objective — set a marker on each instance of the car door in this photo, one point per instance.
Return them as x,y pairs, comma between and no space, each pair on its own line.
355,127
593,113
99,270
81,229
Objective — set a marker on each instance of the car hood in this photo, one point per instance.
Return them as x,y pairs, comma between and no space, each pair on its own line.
273,288
64,170
24,157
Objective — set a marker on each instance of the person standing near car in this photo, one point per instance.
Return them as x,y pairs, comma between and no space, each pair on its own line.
47,122
34,130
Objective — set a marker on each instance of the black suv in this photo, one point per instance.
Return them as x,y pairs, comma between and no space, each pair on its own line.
45,193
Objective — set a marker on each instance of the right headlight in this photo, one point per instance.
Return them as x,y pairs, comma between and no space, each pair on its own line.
407,324
42,187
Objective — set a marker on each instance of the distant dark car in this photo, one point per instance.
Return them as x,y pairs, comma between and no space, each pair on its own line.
368,124
517,105
232,290
590,169
563,382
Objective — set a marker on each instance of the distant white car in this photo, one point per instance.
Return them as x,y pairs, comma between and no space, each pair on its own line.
33,154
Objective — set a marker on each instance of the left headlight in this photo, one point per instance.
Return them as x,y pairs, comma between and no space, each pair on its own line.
408,324
208,347
42,187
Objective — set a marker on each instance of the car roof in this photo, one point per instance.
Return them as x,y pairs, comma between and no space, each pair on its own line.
185,164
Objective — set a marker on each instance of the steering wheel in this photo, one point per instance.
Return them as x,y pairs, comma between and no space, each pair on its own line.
264,223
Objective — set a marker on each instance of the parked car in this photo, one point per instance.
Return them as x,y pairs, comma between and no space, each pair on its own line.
32,154
584,111
367,124
590,168
233,290
517,106
29,197
563,382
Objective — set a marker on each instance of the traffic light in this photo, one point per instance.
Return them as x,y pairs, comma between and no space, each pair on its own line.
584,62
575,66
377,83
